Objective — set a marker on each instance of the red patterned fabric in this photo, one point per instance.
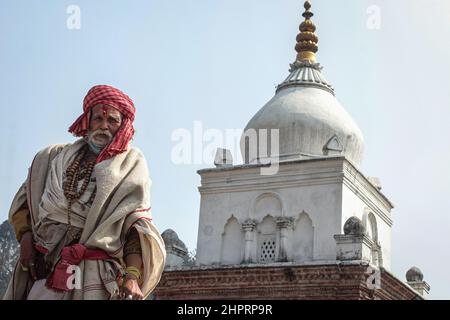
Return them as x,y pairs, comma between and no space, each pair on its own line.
107,95
71,256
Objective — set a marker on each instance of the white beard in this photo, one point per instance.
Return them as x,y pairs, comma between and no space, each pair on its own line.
99,142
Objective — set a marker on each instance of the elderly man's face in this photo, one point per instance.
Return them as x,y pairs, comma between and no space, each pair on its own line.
105,122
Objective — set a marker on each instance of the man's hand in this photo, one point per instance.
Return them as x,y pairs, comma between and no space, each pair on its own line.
130,289
28,254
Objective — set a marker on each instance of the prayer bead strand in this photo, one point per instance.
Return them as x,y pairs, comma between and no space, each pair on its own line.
74,174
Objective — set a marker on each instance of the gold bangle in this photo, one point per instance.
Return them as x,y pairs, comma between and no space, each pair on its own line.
133,271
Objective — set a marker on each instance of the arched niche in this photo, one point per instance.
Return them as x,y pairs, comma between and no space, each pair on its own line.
232,242
267,247
371,224
303,238
267,204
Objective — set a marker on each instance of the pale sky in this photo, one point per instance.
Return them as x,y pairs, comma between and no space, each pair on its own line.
218,62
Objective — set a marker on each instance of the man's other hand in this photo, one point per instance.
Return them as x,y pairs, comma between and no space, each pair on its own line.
130,289
28,254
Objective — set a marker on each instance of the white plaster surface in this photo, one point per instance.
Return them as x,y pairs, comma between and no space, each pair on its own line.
324,192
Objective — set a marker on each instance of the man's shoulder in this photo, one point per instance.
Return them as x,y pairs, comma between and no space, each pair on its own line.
51,151
57,147
136,153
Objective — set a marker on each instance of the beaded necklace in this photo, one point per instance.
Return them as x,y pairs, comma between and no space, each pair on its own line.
80,169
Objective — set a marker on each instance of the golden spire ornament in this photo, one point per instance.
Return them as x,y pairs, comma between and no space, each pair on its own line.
307,40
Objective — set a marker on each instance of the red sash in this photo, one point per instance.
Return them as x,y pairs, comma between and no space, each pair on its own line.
71,256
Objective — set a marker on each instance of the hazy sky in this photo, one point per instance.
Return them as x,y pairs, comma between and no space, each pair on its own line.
218,62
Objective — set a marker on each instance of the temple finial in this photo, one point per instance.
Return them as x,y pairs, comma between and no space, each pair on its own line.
307,40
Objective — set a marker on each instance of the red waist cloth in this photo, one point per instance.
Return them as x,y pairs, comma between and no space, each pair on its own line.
61,279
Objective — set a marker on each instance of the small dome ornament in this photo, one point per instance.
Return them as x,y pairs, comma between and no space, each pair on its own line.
354,226
414,275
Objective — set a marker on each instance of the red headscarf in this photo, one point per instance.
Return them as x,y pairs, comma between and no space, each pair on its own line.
115,98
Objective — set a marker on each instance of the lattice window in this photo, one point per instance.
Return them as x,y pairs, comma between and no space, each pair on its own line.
267,250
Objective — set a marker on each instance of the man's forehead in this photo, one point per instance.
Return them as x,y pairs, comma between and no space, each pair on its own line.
105,109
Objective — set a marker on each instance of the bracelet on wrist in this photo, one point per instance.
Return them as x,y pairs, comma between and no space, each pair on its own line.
134,272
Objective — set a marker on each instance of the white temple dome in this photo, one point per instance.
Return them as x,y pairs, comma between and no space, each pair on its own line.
311,121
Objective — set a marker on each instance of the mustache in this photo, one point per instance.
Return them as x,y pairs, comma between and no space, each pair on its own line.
100,131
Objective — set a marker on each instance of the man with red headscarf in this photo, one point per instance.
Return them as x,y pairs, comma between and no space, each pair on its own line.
83,218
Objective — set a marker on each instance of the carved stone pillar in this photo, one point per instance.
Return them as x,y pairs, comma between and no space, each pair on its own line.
284,224
249,227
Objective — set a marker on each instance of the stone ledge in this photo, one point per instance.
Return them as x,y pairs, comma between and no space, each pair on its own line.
342,281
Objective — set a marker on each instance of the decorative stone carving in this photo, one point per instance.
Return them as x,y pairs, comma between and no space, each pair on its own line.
354,226
414,274
334,146
414,277
249,227
177,252
284,224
